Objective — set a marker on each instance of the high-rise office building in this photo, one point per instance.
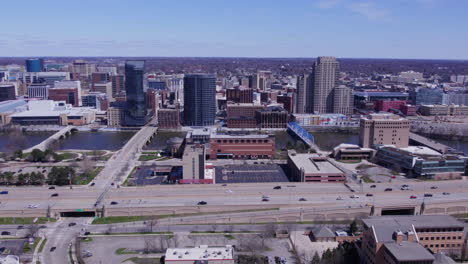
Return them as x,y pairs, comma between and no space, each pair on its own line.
34,65
302,83
322,82
343,100
136,113
118,83
199,99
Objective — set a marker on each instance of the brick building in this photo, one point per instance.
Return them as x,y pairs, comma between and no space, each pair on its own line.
410,239
384,106
169,118
384,129
242,146
239,95
242,115
272,117
287,100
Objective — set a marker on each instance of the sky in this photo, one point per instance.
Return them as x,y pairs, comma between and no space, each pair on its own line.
422,29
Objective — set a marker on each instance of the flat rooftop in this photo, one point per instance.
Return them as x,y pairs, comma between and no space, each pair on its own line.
200,253
250,173
409,251
313,164
385,226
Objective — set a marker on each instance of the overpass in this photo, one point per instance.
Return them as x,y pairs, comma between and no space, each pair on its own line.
421,140
62,133
302,134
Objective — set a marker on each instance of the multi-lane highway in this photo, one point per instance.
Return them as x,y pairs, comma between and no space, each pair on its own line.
172,196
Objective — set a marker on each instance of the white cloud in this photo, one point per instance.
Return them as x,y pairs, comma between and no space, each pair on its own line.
369,10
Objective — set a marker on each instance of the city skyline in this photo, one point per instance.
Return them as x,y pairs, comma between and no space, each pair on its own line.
417,29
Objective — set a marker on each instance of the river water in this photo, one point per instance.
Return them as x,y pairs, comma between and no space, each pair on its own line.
115,140
11,141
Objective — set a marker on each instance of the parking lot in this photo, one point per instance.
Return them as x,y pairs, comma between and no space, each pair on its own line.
250,173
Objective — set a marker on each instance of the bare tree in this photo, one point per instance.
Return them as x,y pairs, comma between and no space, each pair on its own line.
33,230
149,245
151,223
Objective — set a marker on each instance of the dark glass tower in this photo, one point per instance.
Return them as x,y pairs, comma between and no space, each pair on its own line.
199,99
34,65
135,109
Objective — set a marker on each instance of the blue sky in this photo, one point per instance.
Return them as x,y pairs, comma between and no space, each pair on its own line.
432,29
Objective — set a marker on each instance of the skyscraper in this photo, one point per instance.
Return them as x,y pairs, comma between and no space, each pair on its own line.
135,110
322,81
34,65
343,100
199,99
302,84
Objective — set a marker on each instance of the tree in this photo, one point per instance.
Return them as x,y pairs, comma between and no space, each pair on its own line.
38,156
60,175
23,179
18,154
151,223
36,178
315,259
353,227
32,231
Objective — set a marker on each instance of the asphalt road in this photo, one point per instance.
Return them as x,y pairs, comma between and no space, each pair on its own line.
315,194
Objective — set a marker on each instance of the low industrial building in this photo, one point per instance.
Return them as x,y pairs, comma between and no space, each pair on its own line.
326,120
241,146
200,255
410,239
313,168
443,110
422,161
352,152
48,112
7,108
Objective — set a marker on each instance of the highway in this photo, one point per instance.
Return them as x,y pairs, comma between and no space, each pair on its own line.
167,196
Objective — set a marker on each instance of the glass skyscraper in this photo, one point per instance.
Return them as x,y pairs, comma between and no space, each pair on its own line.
34,65
199,99
136,113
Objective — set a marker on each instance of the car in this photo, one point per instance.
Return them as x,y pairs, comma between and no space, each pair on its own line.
52,249
114,203
354,196
388,190
393,177
224,185
265,196
413,197
52,188
265,200
202,203
20,227
302,199
373,186
54,195
6,233
72,224
434,187
428,195
405,185
138,168
446,193
4,192
87,233
112,184
368,204
404,188
43,226
369,195
93,183
277,188
339,198
255,162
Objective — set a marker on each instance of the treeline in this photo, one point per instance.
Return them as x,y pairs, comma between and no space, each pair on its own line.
57,176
